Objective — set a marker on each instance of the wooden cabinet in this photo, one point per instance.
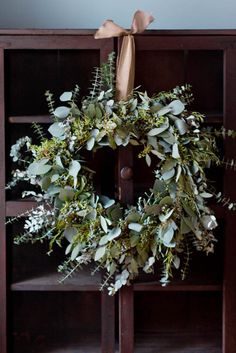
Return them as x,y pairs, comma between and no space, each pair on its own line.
198,315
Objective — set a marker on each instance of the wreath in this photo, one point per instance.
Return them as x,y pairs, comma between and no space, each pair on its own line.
168,219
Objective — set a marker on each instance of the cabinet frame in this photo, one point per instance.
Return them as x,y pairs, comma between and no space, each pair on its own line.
184,40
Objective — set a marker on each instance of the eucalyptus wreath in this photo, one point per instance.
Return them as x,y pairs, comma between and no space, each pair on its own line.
123,240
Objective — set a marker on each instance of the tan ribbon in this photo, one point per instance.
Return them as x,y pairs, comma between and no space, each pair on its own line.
126,61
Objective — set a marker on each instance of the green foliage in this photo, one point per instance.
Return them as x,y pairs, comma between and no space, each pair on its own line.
75,94
169,220
108,73
96,83
50,102
38,130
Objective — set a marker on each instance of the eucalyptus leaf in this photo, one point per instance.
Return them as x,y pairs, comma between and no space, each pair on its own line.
104,240
112,268
90,143
188,209
195,167
74,169
134,142
133,104
101,95
158,130
165,145
166,234
59,162
91,112
112,142
170,245
179,170
118,140
110,103
94,200
56,130
82,213
98,112
182,126
135,226
45,182
152,140
169,164
100,253
75,252
134,266
53,190
94,133
148,160
114,212
168,137
206,195
69,233
114,233
66,194
164,217
62,112
92,215
164,110
152,209
189,223
66,96
176,107
134,239
106,201
149,264
175,151
37,168
133,217
68,249
55,177
168,175
184,228
114,251
103,224
176,262
159,186
142,253
155,107
209,222
158,154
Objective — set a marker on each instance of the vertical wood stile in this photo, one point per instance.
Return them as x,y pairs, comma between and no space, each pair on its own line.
108,323
3,331
126,311
229,285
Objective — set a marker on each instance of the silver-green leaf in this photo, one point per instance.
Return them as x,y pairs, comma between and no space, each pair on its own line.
114,233
103,224
74,169
176,107
66,96
56,130
62,112
135,226
100,253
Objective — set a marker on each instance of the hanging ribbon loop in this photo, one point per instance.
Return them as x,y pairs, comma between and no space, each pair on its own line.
126,61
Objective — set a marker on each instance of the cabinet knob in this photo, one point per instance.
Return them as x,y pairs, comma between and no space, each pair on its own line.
126,173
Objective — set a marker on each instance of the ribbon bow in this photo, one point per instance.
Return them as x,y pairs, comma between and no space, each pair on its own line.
126,61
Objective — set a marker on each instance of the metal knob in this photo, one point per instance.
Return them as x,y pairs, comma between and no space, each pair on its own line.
126,173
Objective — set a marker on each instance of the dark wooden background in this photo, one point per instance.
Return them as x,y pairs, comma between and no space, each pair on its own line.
37,314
